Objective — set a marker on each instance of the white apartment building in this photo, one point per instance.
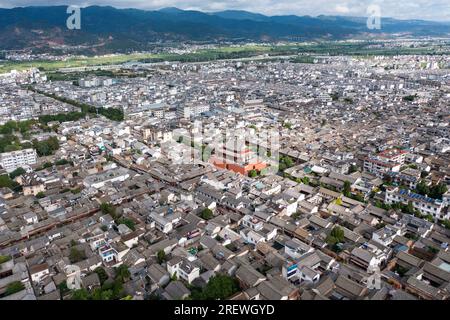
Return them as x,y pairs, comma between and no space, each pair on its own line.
379,168
191,111
386,161
422,203
15,159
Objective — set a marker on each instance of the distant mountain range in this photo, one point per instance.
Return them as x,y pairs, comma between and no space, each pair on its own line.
109,29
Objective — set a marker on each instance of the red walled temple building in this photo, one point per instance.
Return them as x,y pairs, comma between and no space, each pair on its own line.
236,156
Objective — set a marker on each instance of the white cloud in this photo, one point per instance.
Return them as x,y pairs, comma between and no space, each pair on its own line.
342,9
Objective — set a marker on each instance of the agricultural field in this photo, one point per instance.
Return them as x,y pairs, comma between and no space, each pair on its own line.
228,52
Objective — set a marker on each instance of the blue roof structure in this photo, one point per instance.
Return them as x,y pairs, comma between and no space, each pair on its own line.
416,196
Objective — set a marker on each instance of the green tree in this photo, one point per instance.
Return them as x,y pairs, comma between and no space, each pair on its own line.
117,288
14,287
122,273
422,188
108,208
347,188
46,147
80,294
336,236
12,147
8,127
206,214
102,275
4,259
288,125
358,197
100,294
253,173
76,191
438,190
47,165
18,172
435,191
5,181
63,289
409,208
96,294
409,98
288,162
128,222
306,180
62,162
348,100
76,255
40,195
9,141
446,223
161,256
219,287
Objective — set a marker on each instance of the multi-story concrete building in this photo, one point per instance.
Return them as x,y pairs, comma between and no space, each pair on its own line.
384,162
15,159
191,111
426,205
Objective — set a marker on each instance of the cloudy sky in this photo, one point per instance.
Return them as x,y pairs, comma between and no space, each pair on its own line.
402,9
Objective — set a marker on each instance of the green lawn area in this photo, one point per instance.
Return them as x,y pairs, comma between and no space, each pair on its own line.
75,62
122,58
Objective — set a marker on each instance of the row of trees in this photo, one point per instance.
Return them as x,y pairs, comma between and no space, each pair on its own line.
219,287
435,191
110,113
46,147
18,172
4,259
14,287
17,126
61,117
7,182
10,143
206,55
